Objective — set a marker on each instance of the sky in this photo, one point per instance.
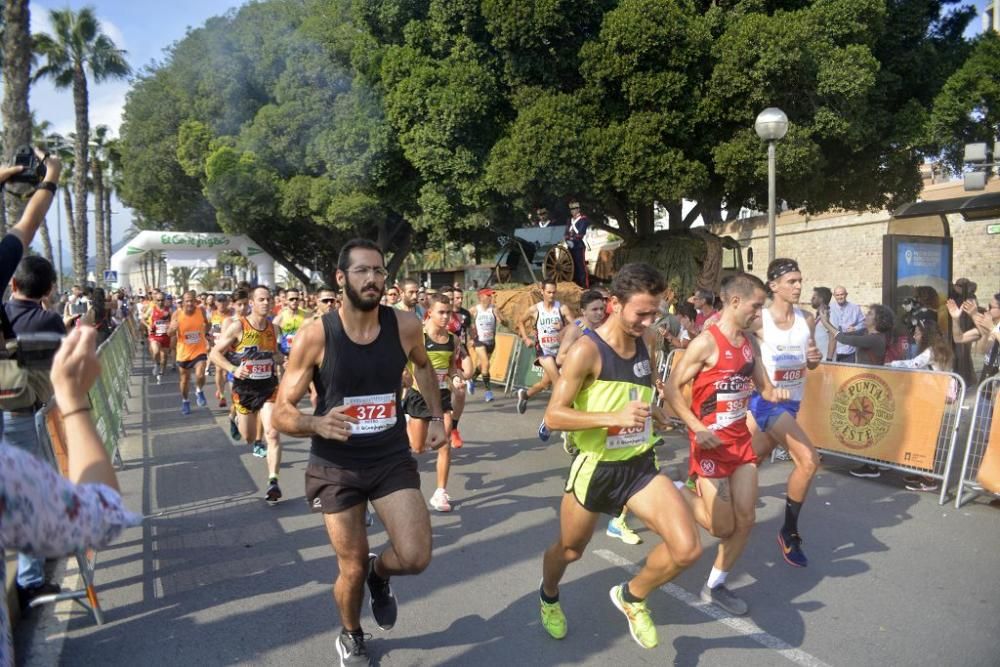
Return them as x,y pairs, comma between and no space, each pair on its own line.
144,28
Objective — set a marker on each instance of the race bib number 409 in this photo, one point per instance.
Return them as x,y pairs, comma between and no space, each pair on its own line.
375,413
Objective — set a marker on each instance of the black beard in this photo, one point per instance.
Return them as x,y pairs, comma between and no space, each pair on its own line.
360,302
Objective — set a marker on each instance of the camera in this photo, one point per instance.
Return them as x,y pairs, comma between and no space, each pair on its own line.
34,169
33,351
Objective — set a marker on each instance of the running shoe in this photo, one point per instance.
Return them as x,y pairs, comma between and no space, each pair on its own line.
440,501
724,598
234,429
618,528
273,494
568,445
543,432
352,650
488,396
383,602
456,439
640,623
470,386
369,519
866,470
222,402
185,407
922,484
791,549
259,450
159,378
522,400
199,397
781,454
553,619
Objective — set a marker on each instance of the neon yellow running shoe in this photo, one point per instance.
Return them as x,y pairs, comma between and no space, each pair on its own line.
618,528
553,619
640,623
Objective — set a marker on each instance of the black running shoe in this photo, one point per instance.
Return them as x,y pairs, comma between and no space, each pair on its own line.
383,602
522,400
273,494
791,549
352,649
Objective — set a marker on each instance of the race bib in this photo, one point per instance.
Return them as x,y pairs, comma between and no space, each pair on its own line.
731,408
789,378
375,413
442,376
259,369
192,337
162,327
632,436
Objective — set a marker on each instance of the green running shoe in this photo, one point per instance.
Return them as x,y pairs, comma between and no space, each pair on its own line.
640,623
553,619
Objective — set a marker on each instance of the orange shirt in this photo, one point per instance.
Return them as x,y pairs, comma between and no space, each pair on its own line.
191,340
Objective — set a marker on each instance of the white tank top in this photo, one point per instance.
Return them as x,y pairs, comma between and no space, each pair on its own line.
486,324
784,353
548,325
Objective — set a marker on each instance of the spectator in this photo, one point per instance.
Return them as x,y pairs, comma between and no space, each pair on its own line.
961,305
821,298
704,303
576,232
869,345
686,316
846,317
100,315
46,513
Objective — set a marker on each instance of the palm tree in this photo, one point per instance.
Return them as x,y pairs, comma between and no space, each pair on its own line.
113,155
78,47
63,148
97,175
40,132
17,61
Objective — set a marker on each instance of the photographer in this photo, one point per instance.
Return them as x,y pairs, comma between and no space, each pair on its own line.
44,512
19,236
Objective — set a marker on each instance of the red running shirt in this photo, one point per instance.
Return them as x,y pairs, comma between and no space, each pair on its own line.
719,398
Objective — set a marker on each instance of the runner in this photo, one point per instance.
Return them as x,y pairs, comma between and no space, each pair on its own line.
443,350
722,471
359,445
392,296
290,320
605,394
255,341
158,327
222,312
484,331
546,318
460,325
190,327
241,308
787,349
409,298
168,303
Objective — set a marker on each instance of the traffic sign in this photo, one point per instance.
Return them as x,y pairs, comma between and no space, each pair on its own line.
111,276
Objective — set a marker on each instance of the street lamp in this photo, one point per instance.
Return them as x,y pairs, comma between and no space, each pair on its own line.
771,126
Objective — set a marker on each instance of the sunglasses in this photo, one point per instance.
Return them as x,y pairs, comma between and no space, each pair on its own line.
331,300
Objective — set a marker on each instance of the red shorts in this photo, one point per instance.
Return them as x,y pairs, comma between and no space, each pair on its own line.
163,341
721,461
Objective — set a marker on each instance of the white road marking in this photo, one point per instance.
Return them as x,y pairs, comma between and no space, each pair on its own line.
743,626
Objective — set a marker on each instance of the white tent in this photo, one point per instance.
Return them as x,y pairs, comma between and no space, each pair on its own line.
186,249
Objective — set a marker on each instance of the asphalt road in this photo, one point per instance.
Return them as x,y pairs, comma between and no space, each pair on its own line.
215,576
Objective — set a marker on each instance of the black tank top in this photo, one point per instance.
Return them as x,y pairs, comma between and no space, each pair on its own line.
368,377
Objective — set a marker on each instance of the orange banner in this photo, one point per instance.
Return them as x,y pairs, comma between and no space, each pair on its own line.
878,413
500,360
989,468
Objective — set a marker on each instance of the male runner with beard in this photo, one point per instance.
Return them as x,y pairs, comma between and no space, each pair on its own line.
360,451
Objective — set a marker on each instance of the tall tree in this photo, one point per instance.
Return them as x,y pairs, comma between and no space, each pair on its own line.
78,48
97,177
40,132
17,59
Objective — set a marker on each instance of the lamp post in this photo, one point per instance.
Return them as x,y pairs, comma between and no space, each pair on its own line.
771,126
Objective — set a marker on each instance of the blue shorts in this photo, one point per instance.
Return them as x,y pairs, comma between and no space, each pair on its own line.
766,413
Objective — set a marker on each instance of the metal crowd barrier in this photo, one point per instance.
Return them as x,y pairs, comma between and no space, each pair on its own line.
983,412
108,401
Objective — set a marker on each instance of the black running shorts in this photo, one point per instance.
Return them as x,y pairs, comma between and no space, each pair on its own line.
191,363
605,486
490,345
415,405
332,489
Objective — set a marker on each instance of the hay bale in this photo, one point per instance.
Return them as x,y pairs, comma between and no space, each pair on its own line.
512,302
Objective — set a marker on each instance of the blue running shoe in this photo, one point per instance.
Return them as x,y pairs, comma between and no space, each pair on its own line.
791,549
470,386
199,396
259,450
488,396
185,407
543,432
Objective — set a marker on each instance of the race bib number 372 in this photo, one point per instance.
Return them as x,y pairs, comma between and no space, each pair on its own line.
375,413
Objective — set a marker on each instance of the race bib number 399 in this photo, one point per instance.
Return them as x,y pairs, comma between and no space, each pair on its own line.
375,413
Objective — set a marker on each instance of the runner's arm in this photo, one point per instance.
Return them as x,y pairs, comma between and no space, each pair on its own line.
814,361
174,324
287,418
567,314
231,333
569,336
693,361
584,361
529,316
279,358
411,334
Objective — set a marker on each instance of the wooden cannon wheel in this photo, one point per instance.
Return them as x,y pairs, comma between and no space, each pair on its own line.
558,264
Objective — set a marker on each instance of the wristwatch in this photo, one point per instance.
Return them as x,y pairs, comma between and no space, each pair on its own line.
46,185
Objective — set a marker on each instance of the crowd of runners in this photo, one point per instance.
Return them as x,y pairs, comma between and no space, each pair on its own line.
387,370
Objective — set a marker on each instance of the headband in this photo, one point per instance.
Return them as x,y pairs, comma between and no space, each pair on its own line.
781,269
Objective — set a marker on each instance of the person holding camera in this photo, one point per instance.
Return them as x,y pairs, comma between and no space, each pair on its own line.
33,281
45,512
42,173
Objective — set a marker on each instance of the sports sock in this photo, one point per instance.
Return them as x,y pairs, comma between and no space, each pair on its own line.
792,509
717,577
627,595
454,424
545,598
486,382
